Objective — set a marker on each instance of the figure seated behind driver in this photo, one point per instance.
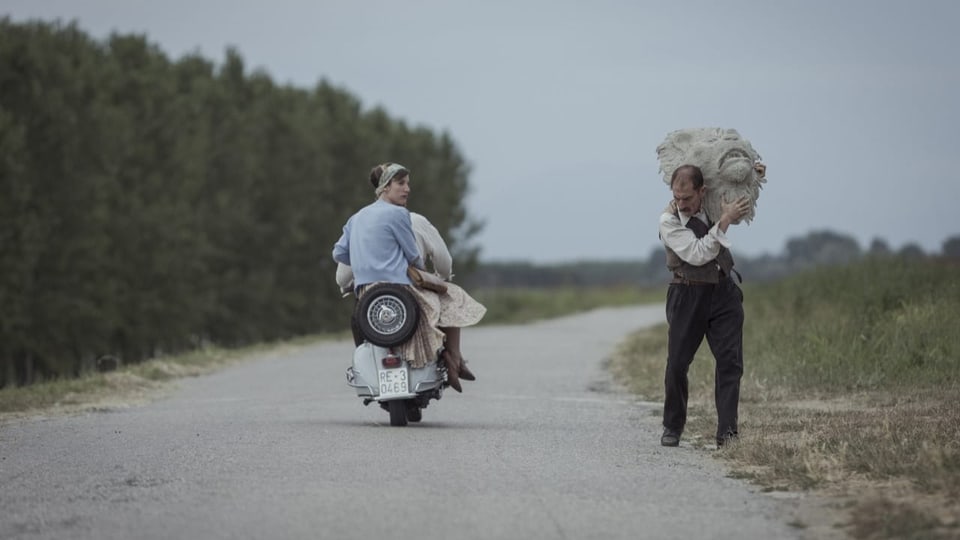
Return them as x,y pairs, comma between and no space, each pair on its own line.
395,233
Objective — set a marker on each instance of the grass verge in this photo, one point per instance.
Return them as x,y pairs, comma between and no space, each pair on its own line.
128,385
851,390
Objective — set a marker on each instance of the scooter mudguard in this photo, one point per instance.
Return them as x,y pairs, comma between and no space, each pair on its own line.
365,375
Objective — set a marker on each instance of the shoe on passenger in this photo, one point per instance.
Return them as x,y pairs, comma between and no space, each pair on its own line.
465,372
670,438
453,371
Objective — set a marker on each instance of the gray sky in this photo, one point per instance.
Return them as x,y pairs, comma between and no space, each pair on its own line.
559,104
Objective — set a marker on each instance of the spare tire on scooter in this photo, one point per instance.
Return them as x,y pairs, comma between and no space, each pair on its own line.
387,314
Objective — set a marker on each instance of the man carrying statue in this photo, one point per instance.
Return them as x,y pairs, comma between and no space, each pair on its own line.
715,177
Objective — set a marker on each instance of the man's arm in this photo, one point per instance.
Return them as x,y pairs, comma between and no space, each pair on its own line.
683,241
700,251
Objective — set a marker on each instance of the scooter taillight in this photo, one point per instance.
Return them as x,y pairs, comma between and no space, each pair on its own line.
391,361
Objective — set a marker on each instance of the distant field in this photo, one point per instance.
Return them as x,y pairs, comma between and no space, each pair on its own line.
851,388
519,305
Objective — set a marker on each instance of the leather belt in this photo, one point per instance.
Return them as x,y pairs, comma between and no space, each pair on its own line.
683,281
722,275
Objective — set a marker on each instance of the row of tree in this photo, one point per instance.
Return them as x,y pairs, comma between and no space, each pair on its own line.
153,205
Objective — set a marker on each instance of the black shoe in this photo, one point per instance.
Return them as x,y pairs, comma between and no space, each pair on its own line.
466,374
727,438
670,438
453,372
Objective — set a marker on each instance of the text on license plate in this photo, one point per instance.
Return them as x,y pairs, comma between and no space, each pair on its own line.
394,382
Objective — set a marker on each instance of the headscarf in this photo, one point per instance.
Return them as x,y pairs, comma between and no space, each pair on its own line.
388,173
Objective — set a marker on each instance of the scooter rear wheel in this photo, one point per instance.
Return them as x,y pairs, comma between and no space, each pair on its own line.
387,314
414,412
398,412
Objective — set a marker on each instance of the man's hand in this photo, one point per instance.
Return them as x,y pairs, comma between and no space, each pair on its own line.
671,207
731,212
761,169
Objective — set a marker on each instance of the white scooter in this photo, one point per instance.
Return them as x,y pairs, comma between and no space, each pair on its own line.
384,318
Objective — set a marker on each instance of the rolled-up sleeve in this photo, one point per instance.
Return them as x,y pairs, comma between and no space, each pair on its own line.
344,277
683,241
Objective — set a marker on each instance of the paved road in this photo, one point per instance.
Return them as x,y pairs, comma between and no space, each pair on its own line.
540,446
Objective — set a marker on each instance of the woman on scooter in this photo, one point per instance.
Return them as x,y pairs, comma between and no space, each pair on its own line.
378,244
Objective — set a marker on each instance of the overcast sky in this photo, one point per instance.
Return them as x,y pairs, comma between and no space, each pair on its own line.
559,105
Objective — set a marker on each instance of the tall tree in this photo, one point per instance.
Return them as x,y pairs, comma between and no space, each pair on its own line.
152,206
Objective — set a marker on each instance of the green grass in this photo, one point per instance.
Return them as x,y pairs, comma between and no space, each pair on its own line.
851,384
883,325
129,384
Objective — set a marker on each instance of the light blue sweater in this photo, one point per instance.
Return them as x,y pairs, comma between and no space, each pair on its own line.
378,244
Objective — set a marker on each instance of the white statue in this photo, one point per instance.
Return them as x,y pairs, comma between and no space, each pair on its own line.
731,167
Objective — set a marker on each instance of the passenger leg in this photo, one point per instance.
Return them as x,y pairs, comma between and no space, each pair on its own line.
453,346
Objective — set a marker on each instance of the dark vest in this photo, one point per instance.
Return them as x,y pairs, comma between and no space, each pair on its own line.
710,272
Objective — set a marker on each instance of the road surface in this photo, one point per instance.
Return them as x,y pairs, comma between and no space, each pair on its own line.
542,445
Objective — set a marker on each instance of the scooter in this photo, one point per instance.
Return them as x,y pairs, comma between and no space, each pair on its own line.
385,317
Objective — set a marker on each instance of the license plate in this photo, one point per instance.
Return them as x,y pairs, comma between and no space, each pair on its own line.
394,382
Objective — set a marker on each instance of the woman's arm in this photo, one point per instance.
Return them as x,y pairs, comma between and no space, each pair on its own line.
341,250
433,246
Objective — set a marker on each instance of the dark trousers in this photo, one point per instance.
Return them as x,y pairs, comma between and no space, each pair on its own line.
695,311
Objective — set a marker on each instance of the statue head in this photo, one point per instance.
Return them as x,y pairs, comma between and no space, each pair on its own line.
731,167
